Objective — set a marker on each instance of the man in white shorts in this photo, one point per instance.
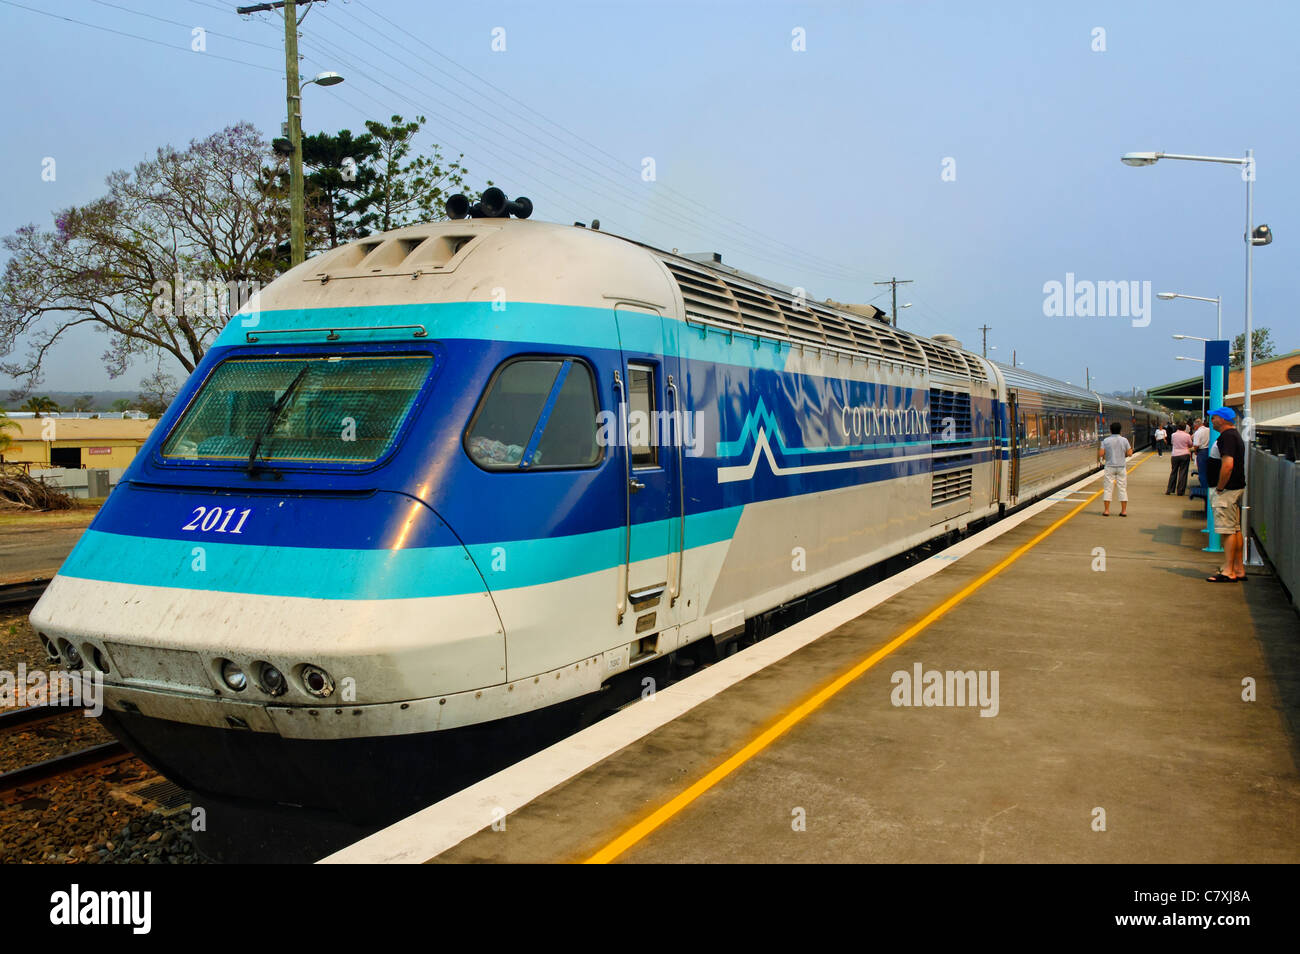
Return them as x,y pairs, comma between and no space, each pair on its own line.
1115,452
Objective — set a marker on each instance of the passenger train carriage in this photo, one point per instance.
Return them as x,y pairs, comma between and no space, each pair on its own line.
443,480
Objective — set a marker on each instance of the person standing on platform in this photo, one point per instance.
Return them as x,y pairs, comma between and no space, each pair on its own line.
1114,454
1160,441
1180,459
1227,481
1201,450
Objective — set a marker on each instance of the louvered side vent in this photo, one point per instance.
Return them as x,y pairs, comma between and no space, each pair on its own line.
945,359
950,486
949,406
758,312
837,330
803,324
911,349
892,347
722,300
975,368
868,340
704,296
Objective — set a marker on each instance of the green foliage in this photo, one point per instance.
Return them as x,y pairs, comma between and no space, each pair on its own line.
6,424
340,186
40,405
409,190
1261,347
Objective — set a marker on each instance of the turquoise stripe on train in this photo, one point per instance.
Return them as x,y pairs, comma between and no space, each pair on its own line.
375,574
567,326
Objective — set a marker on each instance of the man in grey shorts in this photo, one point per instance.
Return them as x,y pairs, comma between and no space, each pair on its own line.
1115,452
1227,483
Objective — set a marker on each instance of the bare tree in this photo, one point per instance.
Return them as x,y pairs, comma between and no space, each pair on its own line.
158,264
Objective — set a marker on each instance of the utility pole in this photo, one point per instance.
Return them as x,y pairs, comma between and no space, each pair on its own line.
297,250
985,329
1087,379
894,283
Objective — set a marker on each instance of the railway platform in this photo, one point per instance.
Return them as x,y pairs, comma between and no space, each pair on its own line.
1120,709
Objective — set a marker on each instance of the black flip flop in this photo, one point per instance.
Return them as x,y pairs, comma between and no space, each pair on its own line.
1220,578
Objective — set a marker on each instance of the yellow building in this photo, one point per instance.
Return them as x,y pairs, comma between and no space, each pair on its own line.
47,442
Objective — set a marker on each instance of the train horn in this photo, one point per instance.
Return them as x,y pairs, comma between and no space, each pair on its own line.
457,206
493,205
520,208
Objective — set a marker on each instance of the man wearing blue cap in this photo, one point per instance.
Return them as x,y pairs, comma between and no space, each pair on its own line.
1227,480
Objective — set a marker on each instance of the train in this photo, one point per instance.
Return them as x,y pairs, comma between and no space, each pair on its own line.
432,487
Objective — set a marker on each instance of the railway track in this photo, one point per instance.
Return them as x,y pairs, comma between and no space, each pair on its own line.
23,592
20,720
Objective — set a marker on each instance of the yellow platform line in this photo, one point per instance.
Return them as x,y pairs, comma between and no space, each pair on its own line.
800,712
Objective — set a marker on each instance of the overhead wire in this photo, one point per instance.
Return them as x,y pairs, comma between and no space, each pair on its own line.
673,223
135,36
187,26
618,165
788,259
759,245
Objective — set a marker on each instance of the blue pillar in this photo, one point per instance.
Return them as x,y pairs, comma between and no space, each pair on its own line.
1216,374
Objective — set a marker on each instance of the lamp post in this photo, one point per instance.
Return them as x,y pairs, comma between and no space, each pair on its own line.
1261,236
1169,296
297,242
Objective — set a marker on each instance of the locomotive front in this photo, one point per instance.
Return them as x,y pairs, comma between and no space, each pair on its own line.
270,595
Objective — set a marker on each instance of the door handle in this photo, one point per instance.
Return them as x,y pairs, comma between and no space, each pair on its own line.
635,485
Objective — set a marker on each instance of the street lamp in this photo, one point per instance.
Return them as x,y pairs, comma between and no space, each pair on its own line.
1201,360
1169,296
297,242
1253,236
323,79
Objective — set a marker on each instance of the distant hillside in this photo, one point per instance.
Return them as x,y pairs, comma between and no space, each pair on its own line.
103,400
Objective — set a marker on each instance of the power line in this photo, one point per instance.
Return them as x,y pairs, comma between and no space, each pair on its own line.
676,222
894,283
187,26
790,250
134,36
791,259
334,50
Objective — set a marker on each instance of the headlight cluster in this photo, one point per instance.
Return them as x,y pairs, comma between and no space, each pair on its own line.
73,657
271,681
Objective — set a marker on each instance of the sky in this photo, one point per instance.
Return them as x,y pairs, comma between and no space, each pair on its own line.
972,148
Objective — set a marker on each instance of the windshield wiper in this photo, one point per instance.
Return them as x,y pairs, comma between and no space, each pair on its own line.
276,410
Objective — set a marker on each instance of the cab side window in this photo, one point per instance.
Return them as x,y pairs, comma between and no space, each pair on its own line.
539,413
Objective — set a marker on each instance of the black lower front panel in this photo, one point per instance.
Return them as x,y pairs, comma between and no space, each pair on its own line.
269,798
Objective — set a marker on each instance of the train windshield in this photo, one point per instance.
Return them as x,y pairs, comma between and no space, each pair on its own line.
308,410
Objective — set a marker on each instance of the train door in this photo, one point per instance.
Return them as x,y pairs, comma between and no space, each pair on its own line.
995,485
1014,436
647,393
